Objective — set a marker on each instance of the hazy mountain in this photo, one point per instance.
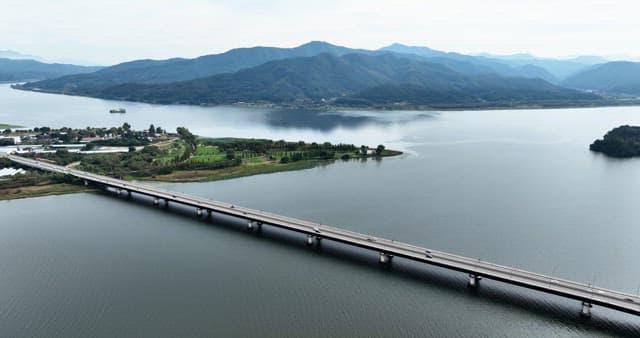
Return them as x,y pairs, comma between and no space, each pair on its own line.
620,77
178,69
23,70
560,68
347,79
486,64
589,59
9,54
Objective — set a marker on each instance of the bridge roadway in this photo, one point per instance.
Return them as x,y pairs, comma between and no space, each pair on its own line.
589,295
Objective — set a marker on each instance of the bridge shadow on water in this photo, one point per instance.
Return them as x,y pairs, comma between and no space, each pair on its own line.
515,299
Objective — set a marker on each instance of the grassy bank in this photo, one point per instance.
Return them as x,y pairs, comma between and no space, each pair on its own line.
232,172
8,126
41,190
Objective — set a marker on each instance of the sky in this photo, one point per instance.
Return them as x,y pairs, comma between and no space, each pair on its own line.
108,32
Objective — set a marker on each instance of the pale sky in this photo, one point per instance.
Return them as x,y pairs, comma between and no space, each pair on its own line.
107,32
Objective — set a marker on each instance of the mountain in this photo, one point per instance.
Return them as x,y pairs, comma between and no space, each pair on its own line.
23,70
178,69
560,69
351,79
9,54
620,77
486,64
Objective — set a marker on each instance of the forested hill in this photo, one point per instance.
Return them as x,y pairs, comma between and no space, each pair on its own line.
352,79
22,70
178,69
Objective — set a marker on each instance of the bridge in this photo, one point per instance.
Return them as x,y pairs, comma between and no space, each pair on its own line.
387,249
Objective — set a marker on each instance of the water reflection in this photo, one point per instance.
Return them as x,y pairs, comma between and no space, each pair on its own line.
331,120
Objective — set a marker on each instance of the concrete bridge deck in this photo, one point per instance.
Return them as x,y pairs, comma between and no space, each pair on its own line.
589,295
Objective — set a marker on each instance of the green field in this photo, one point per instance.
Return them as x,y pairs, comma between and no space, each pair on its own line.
8,126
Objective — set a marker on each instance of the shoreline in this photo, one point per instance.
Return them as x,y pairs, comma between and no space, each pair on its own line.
182,176
605,103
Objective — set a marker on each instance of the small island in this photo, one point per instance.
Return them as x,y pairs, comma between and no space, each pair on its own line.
620,142
157,155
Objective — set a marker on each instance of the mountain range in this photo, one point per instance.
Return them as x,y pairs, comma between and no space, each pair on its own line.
322,73
25,69
620,77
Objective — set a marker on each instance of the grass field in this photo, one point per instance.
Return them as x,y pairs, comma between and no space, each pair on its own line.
41,190
7,126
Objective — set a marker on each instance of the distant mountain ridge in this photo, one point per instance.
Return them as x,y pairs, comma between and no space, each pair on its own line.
180,69
350,79
618,77
27,70
321,73
487,64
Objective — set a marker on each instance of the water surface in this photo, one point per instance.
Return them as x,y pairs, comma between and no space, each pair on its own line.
513,187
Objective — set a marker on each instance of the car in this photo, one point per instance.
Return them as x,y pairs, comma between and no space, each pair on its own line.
316,229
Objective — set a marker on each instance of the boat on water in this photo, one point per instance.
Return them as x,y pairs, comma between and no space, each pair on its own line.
118,111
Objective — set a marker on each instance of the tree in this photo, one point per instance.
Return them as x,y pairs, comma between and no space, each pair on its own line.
159,130
126,127
379,149
188,137
132,149
152,129
363,149
296,157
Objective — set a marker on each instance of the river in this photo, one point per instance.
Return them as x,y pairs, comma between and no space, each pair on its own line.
518,188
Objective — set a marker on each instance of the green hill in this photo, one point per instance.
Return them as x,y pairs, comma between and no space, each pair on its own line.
352,79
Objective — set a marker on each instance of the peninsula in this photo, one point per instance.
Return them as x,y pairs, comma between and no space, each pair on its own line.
158,155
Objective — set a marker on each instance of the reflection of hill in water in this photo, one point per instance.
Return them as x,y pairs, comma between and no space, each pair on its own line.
327,121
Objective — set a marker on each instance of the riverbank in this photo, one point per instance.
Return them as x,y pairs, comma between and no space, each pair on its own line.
41,190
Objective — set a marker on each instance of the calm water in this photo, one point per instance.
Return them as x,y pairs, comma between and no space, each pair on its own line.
513,187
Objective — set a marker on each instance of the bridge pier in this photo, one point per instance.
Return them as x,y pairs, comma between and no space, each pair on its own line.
474,281
198,212
86,183
311,239
586,310
129,194
156,201
385,258
118,192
